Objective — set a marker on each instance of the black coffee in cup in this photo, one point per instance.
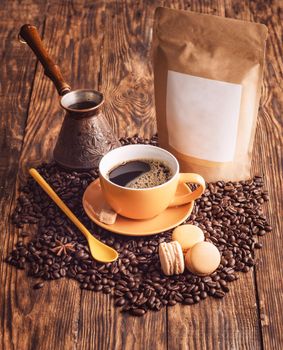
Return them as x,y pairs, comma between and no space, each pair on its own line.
141,173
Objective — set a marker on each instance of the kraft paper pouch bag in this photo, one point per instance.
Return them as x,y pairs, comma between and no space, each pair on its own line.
207,80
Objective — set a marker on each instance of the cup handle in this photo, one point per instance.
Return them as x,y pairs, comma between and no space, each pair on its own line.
192,178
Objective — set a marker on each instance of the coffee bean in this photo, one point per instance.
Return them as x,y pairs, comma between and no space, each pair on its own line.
196,297
258,245
225,289
84,286
134,299
189,301
146,250
141,301
98,288
231,262
63,272
55,266
207,279
38,285
229,213
138,312
246,269
106,290
56,275
120,302
230,278
118,293
219,294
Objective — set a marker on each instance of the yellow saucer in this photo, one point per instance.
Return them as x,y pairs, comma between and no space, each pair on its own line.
169,218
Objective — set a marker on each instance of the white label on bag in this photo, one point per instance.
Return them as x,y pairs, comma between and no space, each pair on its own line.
202,116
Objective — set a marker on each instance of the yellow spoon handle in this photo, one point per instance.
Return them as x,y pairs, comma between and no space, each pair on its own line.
51,193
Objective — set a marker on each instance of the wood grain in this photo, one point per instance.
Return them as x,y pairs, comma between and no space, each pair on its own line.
126,80
105,45
233,322
31,325
267,160
111,329
72,25
15,89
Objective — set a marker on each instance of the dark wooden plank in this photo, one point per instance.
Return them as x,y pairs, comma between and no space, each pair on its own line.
48,318
230,323
127,82
127,70
55,313
17,72
233,322
268,161
103,327
74,42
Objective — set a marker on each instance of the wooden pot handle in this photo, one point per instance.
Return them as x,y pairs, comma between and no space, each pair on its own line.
30,36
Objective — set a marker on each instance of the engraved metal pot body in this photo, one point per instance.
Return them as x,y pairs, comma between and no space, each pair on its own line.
85,134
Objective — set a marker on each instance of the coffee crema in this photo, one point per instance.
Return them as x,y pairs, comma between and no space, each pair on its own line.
140,173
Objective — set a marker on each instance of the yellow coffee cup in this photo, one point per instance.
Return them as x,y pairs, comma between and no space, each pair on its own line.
145,203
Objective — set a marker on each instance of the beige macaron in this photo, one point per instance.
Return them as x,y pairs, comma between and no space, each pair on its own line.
188,235
171,258
203,258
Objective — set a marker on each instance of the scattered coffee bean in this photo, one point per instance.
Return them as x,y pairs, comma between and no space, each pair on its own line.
120,302
229,213
138,312
189,301
219,294
38,285
258,245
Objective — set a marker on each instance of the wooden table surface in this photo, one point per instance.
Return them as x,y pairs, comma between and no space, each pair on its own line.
105,45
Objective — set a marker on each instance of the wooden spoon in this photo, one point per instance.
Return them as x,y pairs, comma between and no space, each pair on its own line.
99,251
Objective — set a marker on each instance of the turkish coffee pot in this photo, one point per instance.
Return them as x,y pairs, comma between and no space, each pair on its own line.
85,134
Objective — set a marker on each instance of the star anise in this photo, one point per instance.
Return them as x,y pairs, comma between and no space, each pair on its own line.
63,248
